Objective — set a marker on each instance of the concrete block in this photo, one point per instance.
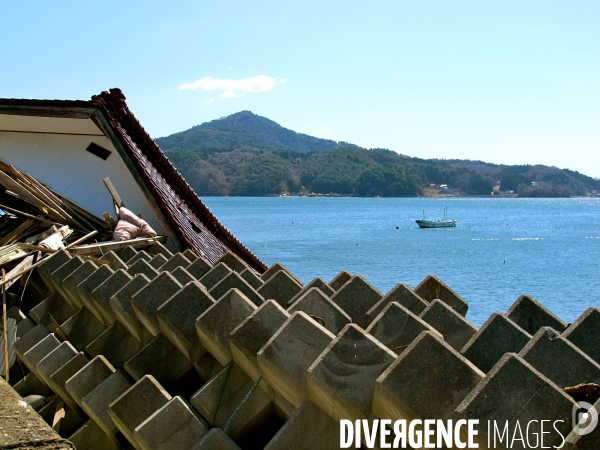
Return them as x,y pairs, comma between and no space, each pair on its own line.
514,391
54,262
531,315
30,384
318,283
127,253
402,294
207,367
74,279
158,261
457,330
396,327
157,248
116,263
232,261
91,437
136,404
141,255
428,380
342,379
54,361
199,268
584,333
147,300
24,327
190,255
177,318
315,303
59,276
102,294
29,340
432,287
220,397
276,268
251,278
182,276
142,266
216,439
66,371
177,260
309,428
281,287
214,275
497,336
249,337
95,403
218,321
120,302
575,367
86,288
82,328
356,297
116,344
235,281
88,377
160,359
339,280
286,357
53,305
39,351
174,426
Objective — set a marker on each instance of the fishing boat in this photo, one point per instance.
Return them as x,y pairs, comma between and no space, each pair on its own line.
441,223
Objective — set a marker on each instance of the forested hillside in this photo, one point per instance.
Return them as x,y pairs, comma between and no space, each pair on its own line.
249,155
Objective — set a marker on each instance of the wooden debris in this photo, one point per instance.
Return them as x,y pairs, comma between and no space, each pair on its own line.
104,247
10,252
36,247
5,327
110,222
97,261
17,233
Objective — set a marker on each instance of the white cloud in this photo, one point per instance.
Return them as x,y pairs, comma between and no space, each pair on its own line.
210,100
230,68
234,88
229,93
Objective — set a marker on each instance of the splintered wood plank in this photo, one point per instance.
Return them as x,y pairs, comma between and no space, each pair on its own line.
16,234
104,247
113,192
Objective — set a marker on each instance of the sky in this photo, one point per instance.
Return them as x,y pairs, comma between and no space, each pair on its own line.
510,81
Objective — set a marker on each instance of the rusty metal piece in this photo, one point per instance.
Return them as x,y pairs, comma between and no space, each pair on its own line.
587,392
318,319
402,347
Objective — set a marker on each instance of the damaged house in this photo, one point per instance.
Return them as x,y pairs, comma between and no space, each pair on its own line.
181,338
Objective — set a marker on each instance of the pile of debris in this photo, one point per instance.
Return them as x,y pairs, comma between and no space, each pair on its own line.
162,350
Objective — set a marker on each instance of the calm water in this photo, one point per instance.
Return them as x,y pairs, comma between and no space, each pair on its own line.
500,249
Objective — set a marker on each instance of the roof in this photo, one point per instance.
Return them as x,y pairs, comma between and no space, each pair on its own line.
189,222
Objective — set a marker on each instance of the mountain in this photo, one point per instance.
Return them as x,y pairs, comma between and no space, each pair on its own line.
248,155
244,130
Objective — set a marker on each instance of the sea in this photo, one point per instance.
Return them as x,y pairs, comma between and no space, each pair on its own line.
500,249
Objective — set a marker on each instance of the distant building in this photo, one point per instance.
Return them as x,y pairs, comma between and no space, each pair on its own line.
432,185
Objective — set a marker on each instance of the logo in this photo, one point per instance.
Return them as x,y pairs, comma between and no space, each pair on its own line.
585,418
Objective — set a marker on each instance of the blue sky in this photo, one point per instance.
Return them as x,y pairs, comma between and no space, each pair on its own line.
514,82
